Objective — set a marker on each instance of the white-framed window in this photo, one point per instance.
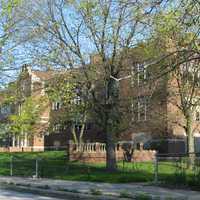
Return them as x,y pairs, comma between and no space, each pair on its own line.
197,78
19,108
47,133
142,105
197,116
5,110
141,74
77,100
56,127
23,85
56,105
133,105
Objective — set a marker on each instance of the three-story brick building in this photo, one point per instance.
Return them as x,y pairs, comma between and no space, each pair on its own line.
153,116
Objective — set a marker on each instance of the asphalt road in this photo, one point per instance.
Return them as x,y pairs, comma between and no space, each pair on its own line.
12,195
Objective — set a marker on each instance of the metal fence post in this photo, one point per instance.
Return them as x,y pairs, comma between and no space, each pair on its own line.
11,166
36,168
156,169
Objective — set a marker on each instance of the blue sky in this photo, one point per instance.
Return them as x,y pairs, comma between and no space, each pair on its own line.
21,54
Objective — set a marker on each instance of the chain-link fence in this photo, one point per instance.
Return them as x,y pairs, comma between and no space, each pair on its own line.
178,169
33,167
59,167
171,169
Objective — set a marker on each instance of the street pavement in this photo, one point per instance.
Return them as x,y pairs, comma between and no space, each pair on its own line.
12,195
105,188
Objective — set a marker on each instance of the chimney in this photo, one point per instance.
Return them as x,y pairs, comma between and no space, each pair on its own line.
95,59
26,68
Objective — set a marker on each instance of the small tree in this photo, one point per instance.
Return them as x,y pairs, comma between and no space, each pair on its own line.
70,93
4,133
22,123
187,77
177,34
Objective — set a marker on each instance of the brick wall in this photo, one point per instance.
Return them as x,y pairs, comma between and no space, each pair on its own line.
21,149
96,152
144,155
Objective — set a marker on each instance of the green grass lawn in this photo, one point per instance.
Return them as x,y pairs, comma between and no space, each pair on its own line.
53,164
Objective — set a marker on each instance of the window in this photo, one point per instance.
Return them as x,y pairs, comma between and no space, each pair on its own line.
187,67
57,127
56,105
190,73
78,127
133,110
5,110
88,126
47,133
23,85
197,79
141,74
140,108
77,100
20,108
143,104
197,116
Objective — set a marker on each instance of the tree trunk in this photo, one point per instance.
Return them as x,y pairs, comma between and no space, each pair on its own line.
190,137
111,117
74,134
82,130
110,153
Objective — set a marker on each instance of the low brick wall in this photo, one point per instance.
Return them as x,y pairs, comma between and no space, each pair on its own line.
92,157
95,152
144,155
87,157
21,149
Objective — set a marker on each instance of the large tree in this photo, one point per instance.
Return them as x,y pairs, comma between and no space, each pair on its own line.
68,33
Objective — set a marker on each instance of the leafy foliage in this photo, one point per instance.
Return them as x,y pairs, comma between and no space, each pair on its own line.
4,130
28,116
70,93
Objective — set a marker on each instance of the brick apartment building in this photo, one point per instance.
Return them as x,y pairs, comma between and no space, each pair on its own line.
157,121
28,84
48,132
154,118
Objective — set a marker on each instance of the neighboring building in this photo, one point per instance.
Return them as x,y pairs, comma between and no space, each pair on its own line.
155,120
48,130
30,84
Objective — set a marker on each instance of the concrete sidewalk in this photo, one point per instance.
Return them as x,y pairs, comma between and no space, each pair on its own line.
105,188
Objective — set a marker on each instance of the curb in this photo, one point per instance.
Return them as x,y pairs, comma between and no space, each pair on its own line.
58,194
